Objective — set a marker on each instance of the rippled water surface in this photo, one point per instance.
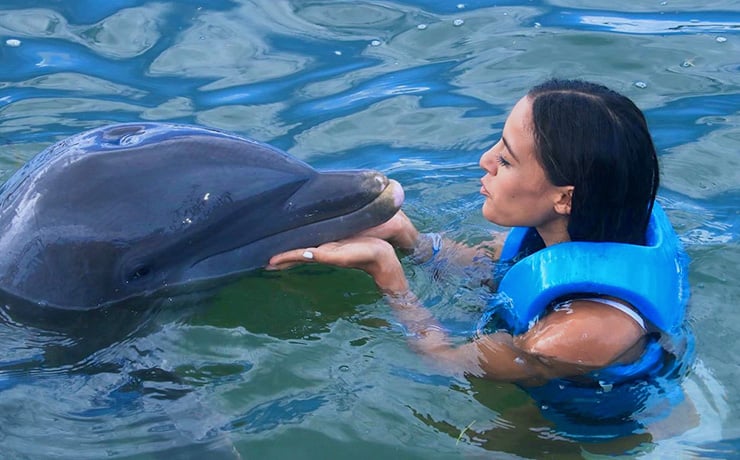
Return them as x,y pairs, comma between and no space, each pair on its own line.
310,364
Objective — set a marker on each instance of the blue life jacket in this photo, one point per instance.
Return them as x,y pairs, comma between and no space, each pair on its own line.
615,400
651,277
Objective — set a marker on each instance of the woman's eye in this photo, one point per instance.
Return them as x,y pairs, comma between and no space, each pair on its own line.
502,161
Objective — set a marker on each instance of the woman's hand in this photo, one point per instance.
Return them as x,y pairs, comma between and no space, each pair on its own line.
398,231
372,255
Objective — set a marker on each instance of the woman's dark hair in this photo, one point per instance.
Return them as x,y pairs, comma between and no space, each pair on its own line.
597,140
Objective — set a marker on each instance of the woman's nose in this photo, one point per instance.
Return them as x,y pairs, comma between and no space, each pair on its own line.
487,162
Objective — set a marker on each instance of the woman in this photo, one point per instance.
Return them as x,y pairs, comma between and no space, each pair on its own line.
575,162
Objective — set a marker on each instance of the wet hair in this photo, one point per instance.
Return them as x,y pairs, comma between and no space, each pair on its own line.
597,140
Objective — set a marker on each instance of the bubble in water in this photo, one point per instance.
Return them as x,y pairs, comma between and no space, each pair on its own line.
421,26
13,42
344,368
460,6
544,407
687,63
375,43
519,360
641,84
338,53
721,39
458,22
537,25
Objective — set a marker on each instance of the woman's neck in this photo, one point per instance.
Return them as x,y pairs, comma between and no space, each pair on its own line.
554,231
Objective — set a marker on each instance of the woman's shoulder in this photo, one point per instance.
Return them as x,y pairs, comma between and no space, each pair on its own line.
590,332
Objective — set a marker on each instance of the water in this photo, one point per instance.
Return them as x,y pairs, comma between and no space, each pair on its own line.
310,364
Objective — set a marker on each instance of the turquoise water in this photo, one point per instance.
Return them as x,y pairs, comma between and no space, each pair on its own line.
310,364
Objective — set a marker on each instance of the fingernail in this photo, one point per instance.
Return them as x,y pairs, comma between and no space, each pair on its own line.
308,255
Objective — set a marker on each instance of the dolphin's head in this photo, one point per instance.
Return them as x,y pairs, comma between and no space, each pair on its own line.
130,209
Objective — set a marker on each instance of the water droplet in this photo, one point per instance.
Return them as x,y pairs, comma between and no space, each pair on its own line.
460,6
687,63
344,368
421,26
561,386
641,84
375,43
206,196
458,22
544,407
607,387
537,25
721,39
519,360
13,42
663,3
338,53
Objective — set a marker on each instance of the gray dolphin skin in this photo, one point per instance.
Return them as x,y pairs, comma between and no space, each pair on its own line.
130,209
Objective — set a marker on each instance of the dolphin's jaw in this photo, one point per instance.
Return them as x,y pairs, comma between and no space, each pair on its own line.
259,252
384,206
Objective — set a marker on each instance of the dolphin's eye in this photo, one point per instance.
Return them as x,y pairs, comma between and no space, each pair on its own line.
139,273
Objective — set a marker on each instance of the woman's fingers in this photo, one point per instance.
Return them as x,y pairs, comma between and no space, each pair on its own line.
388,229
355,252
291,258
398,230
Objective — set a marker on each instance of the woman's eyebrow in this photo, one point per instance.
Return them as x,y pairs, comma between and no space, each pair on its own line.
508,147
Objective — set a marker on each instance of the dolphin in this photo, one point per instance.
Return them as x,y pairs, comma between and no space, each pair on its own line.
128,210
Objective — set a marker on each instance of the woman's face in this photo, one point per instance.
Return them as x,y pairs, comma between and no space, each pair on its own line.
516,188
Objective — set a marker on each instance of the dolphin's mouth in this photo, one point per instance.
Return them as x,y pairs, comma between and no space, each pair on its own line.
392,195
305,230
332,194
351,219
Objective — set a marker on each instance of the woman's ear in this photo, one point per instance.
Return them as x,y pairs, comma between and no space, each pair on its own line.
564,200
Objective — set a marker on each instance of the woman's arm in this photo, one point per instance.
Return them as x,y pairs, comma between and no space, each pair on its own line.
401,233
587,336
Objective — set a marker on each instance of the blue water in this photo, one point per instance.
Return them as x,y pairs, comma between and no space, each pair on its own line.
311,364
